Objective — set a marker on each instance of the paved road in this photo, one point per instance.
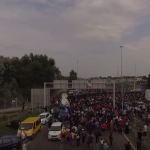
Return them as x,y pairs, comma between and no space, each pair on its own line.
40,141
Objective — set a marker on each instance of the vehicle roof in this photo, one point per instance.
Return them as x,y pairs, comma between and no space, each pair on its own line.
57,124
45,113
31,120
8,136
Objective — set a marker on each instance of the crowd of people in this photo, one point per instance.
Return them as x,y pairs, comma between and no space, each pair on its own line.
93,115
93,119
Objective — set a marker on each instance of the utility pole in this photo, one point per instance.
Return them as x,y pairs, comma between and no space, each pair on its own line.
117,71
77,69
96,72
121,80
135,78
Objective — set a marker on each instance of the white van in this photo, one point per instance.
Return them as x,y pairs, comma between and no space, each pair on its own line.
45,117
55,131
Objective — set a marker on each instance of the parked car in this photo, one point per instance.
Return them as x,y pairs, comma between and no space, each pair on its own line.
10,142
45,117
14,124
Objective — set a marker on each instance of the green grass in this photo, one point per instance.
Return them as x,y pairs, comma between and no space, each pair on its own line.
22,116
133,138
7,131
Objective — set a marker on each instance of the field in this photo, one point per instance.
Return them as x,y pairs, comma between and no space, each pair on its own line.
4,119
132,136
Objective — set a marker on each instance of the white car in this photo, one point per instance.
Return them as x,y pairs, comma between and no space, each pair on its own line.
55,131
45,117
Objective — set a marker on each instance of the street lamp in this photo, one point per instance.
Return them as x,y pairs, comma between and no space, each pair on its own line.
121,80
96,72
77,69
135,78
135,71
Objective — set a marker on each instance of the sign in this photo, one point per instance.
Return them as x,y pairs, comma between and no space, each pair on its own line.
118,80
109,80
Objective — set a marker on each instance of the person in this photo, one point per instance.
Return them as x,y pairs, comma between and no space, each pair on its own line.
24,145
77,138
127,127
22,136
72,138
96,133
103,127
110,138
111,125
139,135
127,146
106,146
45,108
145,132
90,140
101,144
63,134
67,134
49,123
139,145
23,106
83,135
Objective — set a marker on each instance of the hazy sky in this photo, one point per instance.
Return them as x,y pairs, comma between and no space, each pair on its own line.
88,31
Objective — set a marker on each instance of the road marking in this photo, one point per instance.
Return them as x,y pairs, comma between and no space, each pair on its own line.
129,140
61,147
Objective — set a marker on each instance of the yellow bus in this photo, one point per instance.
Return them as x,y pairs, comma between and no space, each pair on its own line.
30,126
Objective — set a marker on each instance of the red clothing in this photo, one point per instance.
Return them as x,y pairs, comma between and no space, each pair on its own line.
125,117
103,126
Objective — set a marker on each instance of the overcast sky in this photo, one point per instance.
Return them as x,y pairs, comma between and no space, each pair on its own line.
88,31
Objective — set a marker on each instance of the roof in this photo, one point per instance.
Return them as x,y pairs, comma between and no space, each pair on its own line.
57,124
7,136
30,119
45,113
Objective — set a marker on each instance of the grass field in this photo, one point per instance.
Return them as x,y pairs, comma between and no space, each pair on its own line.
22,116
132,136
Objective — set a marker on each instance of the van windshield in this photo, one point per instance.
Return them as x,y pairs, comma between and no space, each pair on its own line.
25,126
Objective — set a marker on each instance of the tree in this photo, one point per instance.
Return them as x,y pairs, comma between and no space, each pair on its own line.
19,75
72,75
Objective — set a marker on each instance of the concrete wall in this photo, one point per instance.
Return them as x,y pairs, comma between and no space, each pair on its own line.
37,97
